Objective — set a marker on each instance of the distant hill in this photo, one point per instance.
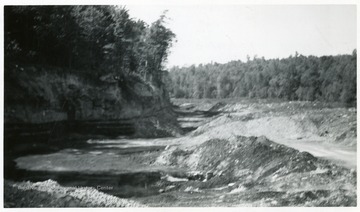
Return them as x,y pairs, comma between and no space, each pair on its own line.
311,78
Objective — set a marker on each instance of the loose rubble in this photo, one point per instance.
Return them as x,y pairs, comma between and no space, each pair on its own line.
50,194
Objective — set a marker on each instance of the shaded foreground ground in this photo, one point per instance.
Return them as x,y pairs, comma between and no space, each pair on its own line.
239,153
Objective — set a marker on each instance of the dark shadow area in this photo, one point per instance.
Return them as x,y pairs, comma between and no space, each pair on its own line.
124,185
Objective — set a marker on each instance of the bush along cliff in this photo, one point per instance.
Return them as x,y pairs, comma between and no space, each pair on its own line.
84,70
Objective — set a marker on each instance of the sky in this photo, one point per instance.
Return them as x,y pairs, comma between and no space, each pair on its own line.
221,33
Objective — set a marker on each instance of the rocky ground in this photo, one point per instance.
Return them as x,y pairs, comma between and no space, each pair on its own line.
242,153
257,171
50,194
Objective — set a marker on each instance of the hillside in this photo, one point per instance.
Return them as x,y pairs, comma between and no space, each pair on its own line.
51,97
85,69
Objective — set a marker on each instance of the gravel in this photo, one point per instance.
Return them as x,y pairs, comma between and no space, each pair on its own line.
50,194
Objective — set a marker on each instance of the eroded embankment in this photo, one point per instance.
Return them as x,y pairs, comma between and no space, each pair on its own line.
56,102
325,132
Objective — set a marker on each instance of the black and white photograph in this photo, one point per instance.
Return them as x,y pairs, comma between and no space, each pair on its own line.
202,104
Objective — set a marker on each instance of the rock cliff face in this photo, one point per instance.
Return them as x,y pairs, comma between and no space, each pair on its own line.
109,105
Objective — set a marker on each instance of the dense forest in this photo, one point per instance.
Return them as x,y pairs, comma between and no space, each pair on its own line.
298,77
87,40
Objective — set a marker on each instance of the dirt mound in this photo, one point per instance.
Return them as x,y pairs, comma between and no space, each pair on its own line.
258,156
336,129
286,120
258,165
275,128
295,127
50,194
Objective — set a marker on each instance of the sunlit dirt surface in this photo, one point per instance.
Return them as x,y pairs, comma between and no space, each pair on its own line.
234,154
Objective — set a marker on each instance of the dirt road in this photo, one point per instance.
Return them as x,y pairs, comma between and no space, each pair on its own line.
341,155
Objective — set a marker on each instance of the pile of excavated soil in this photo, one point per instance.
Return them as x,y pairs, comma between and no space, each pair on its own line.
50,194
275,128
256,165
337,126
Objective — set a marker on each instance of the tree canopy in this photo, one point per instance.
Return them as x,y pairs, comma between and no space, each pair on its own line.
86,39
326,78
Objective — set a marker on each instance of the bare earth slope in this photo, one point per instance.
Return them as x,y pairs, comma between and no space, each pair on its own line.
248,154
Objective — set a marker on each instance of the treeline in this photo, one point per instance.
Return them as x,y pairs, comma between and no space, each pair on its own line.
326,78
90,40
